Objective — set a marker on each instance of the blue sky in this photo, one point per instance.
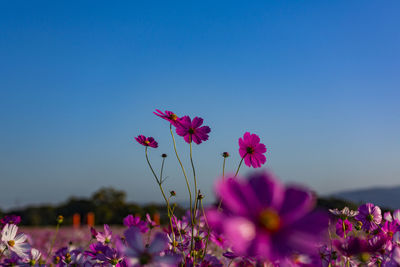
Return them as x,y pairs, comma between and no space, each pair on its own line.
317,80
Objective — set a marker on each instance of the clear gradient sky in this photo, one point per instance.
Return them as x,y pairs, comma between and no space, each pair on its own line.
319,81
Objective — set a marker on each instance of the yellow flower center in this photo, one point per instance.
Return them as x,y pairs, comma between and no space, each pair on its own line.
11,243
147,142
173,117
270,220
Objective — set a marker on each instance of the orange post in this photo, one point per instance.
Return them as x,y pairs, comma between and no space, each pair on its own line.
90,219
76,220
156,218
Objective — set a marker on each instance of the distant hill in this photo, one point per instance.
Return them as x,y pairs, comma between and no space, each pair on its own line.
388,197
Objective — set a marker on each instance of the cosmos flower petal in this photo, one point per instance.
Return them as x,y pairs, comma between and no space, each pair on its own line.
168,260
20,238
267,189
159,243
396,216
197,122
240,232
134,239
236,196
297,202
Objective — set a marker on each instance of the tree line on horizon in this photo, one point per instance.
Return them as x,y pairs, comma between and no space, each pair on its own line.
110,207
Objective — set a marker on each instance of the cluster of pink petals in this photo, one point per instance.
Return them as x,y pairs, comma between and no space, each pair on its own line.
168,115
191,130
252,150
146,141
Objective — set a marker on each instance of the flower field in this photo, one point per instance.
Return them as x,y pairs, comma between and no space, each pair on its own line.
257,221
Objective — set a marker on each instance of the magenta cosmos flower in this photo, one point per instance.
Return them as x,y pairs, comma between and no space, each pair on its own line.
252,150
370,216
131,220
343,227
262,218
168,115
191,130
146,141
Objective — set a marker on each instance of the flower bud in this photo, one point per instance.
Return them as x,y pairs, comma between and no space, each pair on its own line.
172,192
358,225
60,219
163,155
225,154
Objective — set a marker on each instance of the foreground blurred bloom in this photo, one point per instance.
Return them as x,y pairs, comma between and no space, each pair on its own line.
139,255
370,216
252,150
191,130
146,141
168,115
262,218
13,242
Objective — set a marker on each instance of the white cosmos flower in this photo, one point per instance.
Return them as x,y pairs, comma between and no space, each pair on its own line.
346,212
13,242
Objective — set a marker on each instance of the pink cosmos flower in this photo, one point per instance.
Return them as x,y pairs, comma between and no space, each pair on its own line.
191,130
168,115
105,237
252,150
261,217
131,220
343,227
370,216
146,141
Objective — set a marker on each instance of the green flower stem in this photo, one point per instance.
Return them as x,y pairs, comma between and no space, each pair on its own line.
194,221
52,242
240,164
159,182
223,178
184,174
151,168
223,169
208,228
2,252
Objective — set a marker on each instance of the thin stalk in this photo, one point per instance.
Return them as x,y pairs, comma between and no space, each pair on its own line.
196,194
53,241
151,168
223,168
159,182
184,174
240,164
2,252
148,237
223,178
194,178
208,228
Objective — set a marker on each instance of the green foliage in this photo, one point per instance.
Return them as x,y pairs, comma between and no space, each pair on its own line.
335,203
108,204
